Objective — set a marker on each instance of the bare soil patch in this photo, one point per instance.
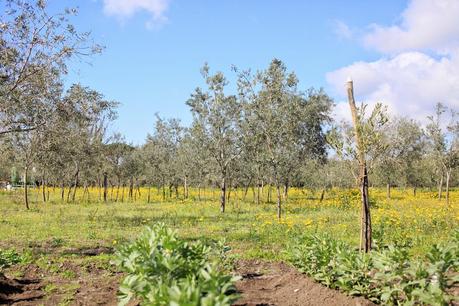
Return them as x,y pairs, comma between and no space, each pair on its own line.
273,283
72,285
262,284
19,292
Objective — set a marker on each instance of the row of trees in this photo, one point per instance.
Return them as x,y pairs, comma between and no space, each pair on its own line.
265,132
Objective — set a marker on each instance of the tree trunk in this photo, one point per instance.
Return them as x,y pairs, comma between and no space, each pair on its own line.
229,192
117,190
448,176
131,187
258,192
279,208
262,189
286,191
246,190
69,192
322,195
440,187
99,187
86,192
149,192
269,193
365,225
388,190
62,191
365,234
26,194
75,184
105,186
185,187
43,189
223,194
414,191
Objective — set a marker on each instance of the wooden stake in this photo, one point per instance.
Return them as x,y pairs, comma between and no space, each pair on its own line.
365,221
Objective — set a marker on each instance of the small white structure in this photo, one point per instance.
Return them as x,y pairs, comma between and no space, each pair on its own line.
9,187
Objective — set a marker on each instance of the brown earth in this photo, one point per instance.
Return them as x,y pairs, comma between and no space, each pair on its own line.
262,284
273,283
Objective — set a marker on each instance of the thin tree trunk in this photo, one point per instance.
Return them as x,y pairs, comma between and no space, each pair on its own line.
185,187
112,190
388,190
448,176
26,194
43,189
229,192
99,188
105,186
269,193
149,192
69,192
117,190
279,208
262,189
75,184
286,191
246,191
223,194
440,187
62,191
322,195
365,234
131,187
365,225
258,192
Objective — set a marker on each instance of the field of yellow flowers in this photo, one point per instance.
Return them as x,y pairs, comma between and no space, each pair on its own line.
250,228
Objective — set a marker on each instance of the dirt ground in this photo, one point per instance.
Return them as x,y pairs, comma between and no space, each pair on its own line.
274,283
262,284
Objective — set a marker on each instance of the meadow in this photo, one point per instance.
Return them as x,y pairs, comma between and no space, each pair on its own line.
419,220
52,233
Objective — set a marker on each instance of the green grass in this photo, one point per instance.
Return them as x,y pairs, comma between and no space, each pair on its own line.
251,230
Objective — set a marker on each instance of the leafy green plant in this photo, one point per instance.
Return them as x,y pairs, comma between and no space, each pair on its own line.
11,257
388,275
163,269
8,258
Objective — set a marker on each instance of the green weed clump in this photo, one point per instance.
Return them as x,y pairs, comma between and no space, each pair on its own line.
387,275
11,257
165,270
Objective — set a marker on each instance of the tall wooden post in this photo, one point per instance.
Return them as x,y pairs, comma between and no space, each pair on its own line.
365,222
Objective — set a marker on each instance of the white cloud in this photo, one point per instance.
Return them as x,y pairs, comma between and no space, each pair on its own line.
127,8
425,25
410,84
408,81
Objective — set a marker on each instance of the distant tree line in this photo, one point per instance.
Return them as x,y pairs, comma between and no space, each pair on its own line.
267,132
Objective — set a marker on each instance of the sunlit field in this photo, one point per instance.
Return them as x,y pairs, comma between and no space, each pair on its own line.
251,229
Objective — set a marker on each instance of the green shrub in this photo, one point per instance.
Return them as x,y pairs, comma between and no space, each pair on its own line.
388,275
165,270
11,257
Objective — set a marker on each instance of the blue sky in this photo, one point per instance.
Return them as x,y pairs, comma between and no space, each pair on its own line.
155,48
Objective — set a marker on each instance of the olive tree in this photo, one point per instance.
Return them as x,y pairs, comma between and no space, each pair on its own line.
217,117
